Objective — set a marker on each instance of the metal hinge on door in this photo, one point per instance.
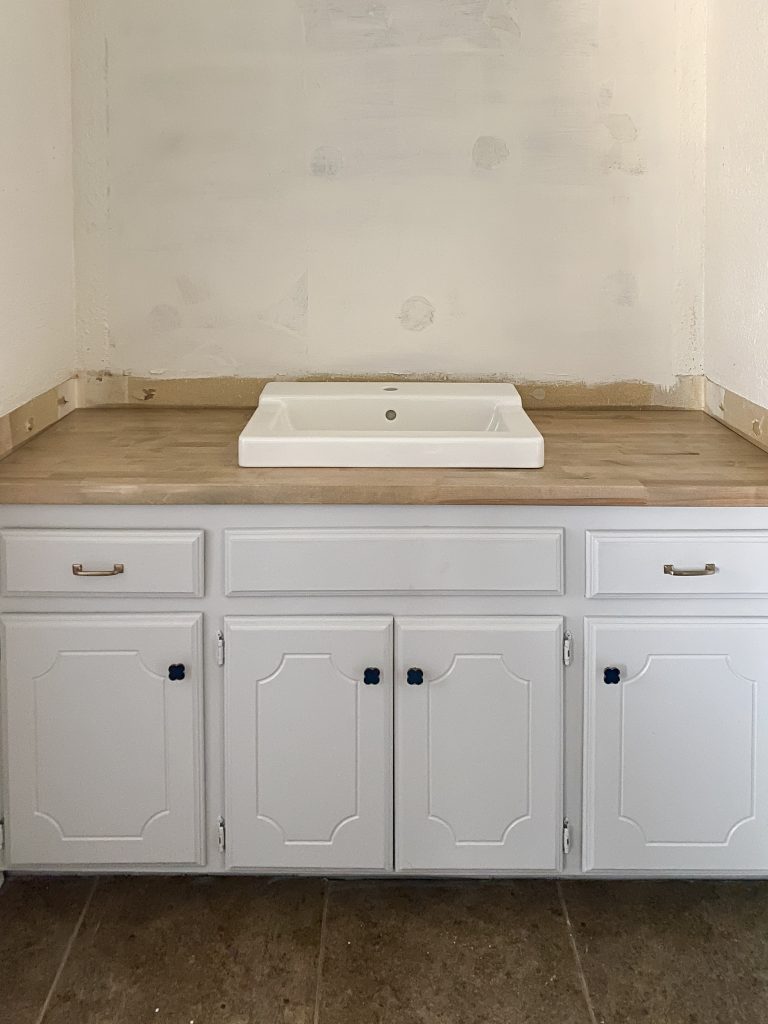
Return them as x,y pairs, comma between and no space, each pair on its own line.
566,836
222,832
568,649
219,648
2,833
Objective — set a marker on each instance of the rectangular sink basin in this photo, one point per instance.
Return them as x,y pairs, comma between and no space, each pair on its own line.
409,425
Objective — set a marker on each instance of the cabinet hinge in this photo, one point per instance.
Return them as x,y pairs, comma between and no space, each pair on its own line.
566,836
2,834
222,833
219,648
568,649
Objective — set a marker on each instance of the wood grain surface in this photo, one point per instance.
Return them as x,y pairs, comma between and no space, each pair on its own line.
138,456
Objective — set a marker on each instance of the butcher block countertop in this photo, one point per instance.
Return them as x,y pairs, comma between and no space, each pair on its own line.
136,456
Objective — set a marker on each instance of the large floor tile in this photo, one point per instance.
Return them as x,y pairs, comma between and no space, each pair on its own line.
673,952
453,953
209,950
37,919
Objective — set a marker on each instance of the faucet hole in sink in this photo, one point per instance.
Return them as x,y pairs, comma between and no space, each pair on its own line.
391,414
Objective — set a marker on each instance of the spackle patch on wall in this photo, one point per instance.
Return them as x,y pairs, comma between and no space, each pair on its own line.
164,317
502,15
370,24
417,313
621,288
290,313
326,162
192,291
489,152
624,133
621,127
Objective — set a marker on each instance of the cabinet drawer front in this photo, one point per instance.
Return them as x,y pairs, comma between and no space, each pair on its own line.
103,562
394,560
675,563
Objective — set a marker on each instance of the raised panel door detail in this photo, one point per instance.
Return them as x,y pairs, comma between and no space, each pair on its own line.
107,801
675,751
478,743
103,748
308,742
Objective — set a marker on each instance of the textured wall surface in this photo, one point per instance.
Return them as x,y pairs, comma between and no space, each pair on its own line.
737,200
37,348
357,186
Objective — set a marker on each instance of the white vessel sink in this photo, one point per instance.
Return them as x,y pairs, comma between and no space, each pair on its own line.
409,424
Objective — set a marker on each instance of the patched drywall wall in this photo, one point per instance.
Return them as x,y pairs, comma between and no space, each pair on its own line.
37,343
359,186
737,200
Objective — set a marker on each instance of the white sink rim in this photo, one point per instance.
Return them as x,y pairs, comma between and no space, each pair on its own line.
355,429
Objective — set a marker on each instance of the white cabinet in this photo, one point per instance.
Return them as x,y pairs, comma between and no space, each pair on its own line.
676,761
308,742
479,743
103,738
310,764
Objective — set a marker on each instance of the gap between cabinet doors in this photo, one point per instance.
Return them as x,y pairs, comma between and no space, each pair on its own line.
448,758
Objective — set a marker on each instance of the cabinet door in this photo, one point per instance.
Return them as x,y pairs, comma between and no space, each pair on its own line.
676,745
103,740
478,743
308,741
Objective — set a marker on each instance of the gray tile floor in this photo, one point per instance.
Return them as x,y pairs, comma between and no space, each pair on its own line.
262,951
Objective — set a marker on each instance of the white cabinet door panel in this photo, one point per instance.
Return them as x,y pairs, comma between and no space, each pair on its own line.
104,750
478,742
308,742
676,758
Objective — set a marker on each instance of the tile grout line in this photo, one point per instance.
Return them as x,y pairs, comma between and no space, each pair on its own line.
576,955
67,951
321,953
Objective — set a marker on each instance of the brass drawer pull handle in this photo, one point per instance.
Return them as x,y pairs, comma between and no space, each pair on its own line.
78,570
709,570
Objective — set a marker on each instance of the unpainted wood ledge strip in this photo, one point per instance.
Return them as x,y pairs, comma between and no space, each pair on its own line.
105,388
94,390
28,420
741,415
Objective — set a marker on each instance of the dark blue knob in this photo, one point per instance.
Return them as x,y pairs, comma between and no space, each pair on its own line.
176,672
415,677
372,677
612,676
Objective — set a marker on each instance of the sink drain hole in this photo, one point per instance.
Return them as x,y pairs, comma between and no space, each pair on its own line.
391,414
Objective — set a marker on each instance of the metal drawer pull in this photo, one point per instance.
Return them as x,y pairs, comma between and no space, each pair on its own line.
709,570
78,570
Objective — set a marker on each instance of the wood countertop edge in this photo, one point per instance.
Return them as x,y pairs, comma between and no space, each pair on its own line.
622,496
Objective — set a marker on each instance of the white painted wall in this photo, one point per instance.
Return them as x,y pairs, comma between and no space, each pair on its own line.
737,199
350,186
37,344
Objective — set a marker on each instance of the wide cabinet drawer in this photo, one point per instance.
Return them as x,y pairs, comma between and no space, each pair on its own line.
677,563
103,562
424,560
